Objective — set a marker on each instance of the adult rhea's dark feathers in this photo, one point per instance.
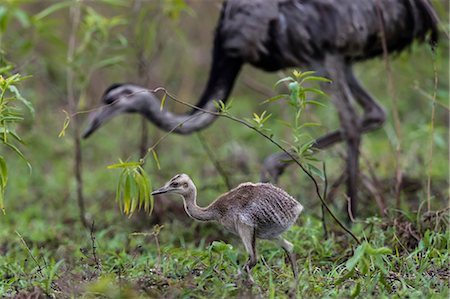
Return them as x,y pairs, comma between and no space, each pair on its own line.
326,36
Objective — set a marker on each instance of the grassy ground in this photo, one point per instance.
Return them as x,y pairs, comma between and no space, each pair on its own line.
183,259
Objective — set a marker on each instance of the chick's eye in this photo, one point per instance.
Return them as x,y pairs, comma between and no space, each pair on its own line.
185,185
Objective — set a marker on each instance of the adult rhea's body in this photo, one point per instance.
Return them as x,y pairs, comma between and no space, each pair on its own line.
326,36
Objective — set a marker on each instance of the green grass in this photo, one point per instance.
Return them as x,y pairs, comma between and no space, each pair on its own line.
201,260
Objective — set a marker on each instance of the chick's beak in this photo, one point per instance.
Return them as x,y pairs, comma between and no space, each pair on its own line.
161,190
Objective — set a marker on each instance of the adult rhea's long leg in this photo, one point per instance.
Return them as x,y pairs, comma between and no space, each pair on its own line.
374,115
373,118
343,99
351,126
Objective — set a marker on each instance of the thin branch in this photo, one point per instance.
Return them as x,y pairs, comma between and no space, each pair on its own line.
433,114
251,127
267,137
75,13
94,247
325,187
30,253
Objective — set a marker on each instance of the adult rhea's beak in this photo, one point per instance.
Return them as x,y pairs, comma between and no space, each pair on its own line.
98,118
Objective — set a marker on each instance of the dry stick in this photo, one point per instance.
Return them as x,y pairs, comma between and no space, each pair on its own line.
155,233
75,13
235,119
428,97
433,112
94,247
214,161
142,72
325,187
391,91
30,254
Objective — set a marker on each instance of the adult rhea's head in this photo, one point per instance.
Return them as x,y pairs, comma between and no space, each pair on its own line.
118,98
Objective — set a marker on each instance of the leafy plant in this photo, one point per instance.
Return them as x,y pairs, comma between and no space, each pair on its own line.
299,99
134,188
10,116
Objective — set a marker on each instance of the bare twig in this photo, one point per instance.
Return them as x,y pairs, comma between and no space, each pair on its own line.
155,233
39,268
214,161
75,14
94,247
325,187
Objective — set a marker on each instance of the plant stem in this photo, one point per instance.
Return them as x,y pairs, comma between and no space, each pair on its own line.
75,13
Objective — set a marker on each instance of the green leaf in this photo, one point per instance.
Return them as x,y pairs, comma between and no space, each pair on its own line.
315,78
4,180
51,9
316,171
16,92
3,174
357,256
22,17
356,290
119,189
315,103
19,153
290,79
275,98
127,195
62,133
116,2
304,74
125,165
155,157
149,202
378,251
163,100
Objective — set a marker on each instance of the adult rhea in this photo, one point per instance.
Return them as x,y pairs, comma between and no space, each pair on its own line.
326,36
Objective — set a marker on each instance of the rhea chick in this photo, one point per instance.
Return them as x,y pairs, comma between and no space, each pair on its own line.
250,210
